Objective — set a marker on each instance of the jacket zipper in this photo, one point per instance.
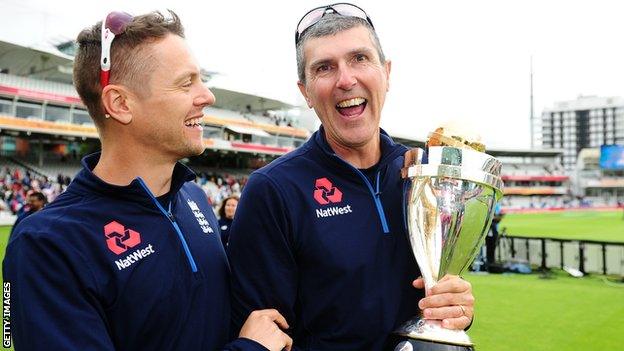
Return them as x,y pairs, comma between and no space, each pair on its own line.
376,194
173,222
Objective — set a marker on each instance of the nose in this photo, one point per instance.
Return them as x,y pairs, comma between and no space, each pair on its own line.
346,77
205,97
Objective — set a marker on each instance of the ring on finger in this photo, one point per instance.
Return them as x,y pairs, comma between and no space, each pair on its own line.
463,310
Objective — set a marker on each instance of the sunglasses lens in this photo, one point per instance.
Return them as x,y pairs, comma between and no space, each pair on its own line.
116,22
309,19
349,10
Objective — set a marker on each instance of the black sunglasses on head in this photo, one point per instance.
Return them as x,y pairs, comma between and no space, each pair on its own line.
315,15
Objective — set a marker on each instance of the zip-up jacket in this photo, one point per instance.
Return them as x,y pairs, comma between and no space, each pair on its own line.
108,267
326,245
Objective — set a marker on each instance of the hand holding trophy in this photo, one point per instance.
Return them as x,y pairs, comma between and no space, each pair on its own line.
450,197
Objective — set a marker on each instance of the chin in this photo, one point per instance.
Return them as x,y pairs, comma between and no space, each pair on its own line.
359,139
193,150
197,151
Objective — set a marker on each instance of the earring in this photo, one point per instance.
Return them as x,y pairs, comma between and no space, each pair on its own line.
106,115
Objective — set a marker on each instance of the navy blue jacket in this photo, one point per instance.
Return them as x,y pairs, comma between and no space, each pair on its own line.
20,218
314,238
106,267
224,226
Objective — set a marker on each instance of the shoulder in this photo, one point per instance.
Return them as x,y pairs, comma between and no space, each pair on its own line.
192,187
44,221
278,166
194,192
65,220
51,232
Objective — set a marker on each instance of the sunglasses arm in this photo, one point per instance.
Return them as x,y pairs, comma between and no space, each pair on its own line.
107,40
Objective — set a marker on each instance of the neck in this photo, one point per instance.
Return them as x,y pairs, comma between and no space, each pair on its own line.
117,166
362,157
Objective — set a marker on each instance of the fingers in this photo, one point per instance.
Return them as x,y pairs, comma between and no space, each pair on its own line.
452,317
460,323
451,284
446,299
273,315
278,318
288,342
265,327
443,312
450,301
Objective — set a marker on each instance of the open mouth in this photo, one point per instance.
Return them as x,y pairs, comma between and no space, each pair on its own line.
194,123
351,107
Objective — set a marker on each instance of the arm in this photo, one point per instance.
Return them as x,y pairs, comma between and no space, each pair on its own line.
262,260
52,296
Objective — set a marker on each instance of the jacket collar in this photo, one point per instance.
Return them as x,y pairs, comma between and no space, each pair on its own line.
87,182
389,149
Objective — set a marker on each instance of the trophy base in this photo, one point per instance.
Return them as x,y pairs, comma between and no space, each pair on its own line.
427,345
429,335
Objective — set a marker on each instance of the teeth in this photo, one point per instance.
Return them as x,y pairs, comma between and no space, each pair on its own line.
193,122
351,102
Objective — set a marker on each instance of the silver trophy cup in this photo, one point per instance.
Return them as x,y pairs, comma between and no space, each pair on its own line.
449,203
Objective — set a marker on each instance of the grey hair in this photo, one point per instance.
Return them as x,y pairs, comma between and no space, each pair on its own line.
332,24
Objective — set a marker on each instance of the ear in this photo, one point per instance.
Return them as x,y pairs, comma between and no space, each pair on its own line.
388,67
302,89
115,101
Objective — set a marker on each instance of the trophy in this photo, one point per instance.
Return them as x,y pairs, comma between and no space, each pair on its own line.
449,198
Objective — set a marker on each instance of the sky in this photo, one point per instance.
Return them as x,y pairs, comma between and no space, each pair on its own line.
465,61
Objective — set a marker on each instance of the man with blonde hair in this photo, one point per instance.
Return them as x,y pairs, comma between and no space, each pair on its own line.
129,257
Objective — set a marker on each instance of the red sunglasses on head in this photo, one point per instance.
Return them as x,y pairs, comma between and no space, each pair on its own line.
113,24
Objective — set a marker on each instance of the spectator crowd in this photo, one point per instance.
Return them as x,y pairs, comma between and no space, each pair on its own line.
17,183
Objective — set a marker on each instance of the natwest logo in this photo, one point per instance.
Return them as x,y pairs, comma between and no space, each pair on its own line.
119,239
325,192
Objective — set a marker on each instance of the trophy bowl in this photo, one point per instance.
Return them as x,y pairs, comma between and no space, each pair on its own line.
450,196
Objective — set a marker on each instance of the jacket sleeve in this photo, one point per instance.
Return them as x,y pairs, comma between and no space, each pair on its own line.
243,344
261,256
52,290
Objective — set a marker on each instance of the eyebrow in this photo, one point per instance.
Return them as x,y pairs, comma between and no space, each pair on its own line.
360,50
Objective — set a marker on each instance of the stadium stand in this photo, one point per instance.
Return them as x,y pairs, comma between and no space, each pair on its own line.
45,129
600,185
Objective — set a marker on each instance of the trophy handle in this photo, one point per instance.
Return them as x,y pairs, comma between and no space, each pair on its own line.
412,157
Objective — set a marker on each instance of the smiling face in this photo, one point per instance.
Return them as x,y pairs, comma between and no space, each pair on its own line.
346,84
168,117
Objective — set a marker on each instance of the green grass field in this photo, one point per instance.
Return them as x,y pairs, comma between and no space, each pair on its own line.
524,312
575,225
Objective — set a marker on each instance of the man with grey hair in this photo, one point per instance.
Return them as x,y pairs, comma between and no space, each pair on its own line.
319,233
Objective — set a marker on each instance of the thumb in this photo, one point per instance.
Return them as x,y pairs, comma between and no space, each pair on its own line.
419,283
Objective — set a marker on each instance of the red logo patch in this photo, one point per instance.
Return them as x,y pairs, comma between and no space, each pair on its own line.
120,239
325,192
